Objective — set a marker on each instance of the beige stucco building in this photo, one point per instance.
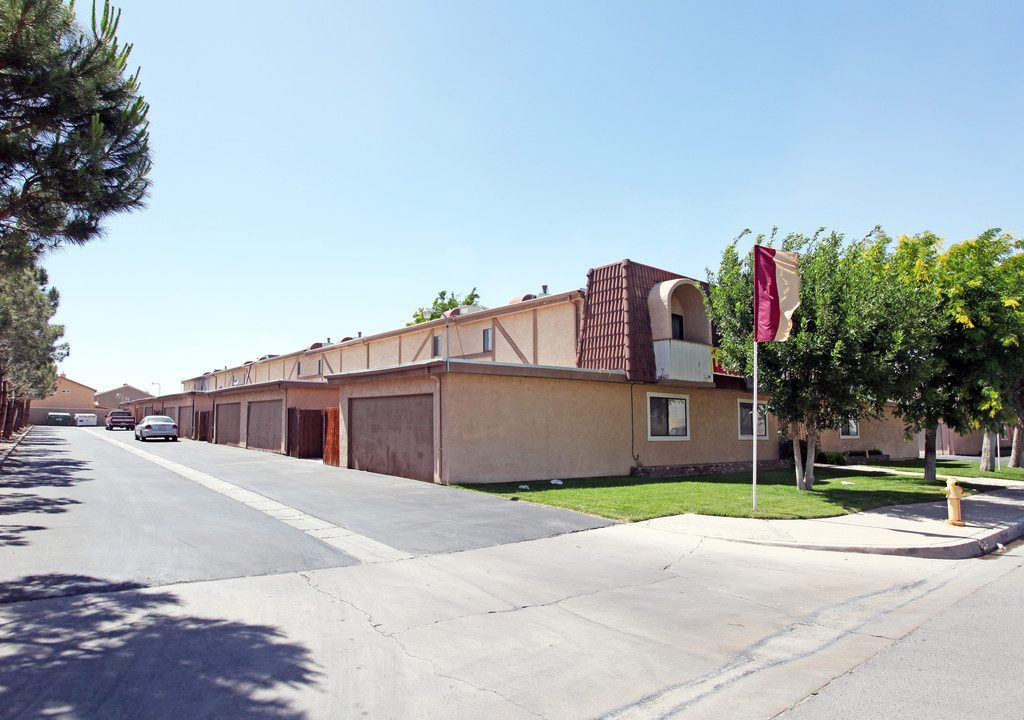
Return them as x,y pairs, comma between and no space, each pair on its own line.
620,377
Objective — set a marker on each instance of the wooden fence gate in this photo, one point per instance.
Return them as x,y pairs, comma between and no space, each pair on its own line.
332,436
305,433
201,426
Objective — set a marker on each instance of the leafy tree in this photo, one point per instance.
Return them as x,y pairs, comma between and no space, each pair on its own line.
965,334
30,346
982,283
847,341
444,302
74,141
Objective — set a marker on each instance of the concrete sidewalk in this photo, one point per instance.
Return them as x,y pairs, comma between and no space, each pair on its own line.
992,519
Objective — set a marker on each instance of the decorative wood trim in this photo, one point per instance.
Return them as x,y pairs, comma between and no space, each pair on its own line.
511,342
426,340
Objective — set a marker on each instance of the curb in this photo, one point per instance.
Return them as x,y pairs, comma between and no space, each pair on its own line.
960,550
12,448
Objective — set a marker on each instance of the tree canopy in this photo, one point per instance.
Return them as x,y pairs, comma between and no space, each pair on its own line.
935,335
74,140
30,346
837,364
446,300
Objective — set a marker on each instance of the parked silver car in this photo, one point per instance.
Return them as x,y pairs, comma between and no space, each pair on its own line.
156,426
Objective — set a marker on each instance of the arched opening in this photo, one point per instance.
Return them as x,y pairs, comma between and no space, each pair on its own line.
678,313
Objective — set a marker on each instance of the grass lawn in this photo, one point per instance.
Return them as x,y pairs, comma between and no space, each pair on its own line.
836,492
960,468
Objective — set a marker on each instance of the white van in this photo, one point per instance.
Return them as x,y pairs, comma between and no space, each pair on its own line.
85,419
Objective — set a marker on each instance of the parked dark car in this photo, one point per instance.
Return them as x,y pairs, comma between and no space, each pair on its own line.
120,419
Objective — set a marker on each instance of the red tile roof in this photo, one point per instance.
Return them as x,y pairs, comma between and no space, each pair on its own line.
616,329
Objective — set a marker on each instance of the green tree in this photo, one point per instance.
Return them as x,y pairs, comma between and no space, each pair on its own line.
444,302
74,140
30,346
982,281
966,333
845,343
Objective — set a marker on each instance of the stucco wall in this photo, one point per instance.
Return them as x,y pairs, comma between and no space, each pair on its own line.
68,394
885,435
714,429
504,429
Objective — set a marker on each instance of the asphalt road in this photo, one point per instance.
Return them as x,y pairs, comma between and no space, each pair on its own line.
209,582
89,503
963,663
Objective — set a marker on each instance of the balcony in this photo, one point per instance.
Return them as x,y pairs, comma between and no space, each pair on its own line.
682,360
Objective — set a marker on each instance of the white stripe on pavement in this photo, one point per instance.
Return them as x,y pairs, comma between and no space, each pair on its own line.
362,548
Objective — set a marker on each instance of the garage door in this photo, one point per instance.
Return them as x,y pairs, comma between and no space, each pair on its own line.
393,435
229,426
263,431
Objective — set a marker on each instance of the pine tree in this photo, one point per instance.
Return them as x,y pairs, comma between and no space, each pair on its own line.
74,140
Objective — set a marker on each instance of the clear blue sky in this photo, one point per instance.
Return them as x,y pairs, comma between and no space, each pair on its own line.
326,168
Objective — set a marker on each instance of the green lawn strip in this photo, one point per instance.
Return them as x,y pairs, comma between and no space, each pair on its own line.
836,492
960,468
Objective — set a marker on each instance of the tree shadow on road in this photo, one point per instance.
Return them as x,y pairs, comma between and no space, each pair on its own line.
36,464
132,654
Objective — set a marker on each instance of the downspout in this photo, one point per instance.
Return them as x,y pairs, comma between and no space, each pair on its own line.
439,445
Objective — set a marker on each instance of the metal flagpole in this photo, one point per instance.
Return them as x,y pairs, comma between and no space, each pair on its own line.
753,419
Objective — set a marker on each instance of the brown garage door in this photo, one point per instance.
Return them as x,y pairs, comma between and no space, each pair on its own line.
229,428
393,435
263,430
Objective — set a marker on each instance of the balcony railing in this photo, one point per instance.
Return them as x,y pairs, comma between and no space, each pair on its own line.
682,360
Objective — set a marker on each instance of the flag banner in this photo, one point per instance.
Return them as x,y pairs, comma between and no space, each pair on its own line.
776,293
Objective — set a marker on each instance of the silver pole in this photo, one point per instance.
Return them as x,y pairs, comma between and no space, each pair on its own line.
753,420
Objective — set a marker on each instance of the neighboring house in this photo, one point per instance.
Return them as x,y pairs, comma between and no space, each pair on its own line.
69,396
949,442
114,399
620,377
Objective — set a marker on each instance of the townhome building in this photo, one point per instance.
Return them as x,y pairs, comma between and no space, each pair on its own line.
619,377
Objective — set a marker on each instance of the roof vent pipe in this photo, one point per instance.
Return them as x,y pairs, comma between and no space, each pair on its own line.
543,289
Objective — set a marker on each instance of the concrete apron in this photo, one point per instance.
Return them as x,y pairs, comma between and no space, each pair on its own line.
629,621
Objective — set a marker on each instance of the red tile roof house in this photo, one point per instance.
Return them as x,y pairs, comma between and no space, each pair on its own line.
615,379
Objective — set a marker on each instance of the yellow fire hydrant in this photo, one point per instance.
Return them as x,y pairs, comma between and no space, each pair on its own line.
953,492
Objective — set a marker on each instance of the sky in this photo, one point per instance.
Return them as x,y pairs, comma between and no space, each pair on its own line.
324,169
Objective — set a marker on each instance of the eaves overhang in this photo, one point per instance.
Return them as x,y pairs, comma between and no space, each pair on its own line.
478,367
270,385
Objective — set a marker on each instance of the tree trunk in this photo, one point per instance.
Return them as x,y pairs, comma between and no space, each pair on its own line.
988,456
1017,453
3,404
930,456
13,420
798,462
812,453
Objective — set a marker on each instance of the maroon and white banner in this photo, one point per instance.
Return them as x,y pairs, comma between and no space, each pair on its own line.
776,293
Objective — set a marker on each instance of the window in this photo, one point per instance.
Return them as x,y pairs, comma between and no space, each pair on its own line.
488,339
436,347
677,327
668,417
746,412
850,427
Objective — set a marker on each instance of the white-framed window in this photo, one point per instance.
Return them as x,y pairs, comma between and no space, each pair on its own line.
435,348
668,416
746,420
488,339
850,427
